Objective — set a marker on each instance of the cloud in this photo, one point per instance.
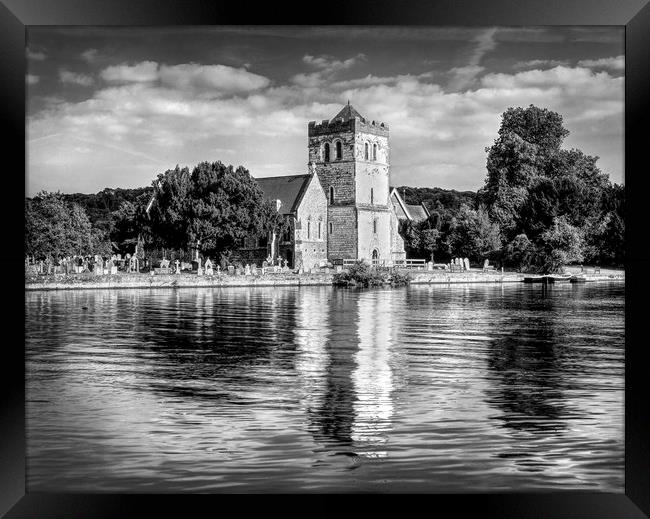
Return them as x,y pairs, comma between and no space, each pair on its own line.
540,63
465,76
326,66
31,79
221,78
140,72
65,76
207,79
36,55
614,63
89,55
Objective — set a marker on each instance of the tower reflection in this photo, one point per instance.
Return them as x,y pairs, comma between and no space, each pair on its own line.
373,376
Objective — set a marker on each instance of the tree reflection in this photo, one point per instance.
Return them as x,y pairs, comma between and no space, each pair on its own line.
211,343
525,370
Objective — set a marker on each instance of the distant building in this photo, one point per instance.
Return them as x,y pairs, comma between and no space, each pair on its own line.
404,211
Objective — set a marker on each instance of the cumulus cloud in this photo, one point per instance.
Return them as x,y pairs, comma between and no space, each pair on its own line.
36,55
614,63
89,55
221,78
326,67
209,79
540,63
65,76
140,72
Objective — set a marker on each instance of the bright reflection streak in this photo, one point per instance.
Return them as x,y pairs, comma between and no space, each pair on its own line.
373,377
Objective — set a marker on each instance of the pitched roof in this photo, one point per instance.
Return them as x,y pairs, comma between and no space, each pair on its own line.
417,212
289,189
348,112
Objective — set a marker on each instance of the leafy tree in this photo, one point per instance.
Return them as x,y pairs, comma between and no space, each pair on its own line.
56,228
536,189
214,205
473,234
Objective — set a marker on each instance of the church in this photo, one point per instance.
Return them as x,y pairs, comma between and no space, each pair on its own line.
344,207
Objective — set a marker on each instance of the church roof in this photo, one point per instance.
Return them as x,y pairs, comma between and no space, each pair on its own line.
289,189
417,212
348,112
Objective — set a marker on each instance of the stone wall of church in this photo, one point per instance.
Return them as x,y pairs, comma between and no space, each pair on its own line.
396,240
311,229
370,240
342,240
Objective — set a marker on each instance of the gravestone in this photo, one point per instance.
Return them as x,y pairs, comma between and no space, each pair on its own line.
178,267
247,270
231,270
208,267
429,265
466,261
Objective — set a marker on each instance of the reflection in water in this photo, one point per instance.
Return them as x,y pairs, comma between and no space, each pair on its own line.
436,388
373,381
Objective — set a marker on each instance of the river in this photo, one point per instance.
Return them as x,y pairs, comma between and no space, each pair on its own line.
442,388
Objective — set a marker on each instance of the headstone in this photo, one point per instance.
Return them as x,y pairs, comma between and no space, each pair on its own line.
247,270
208,267
430,265
265,264
486,263
466,263
231,270
178,267
285,263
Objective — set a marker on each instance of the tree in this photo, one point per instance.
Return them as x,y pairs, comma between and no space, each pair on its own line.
214,205
55,228
536,189
473,235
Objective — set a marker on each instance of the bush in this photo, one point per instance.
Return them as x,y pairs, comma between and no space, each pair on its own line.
364,275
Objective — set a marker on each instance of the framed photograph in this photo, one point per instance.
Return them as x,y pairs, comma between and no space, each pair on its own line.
401,251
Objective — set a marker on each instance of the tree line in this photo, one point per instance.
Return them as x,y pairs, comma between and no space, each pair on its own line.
541,207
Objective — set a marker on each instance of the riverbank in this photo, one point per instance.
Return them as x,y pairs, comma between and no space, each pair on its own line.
190,280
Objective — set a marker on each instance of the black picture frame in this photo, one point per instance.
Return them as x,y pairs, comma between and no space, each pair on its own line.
15,15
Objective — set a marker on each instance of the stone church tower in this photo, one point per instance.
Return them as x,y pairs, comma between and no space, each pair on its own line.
350,155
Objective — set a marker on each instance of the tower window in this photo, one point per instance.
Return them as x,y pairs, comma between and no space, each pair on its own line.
308,229
365,151
331,228
326,152
339,150
374,226
319,225
372,195
331,195
374,152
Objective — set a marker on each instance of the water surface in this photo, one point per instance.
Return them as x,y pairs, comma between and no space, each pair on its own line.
443,388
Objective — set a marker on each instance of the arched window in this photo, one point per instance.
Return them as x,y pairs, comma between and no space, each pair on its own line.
331,195
326,152
339,150
308,229
331,228
374,226
365,151
319,224
372,195
374,152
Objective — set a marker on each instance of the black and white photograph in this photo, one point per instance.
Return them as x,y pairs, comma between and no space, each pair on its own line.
314,259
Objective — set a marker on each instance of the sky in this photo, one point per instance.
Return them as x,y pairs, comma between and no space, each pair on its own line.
114,107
